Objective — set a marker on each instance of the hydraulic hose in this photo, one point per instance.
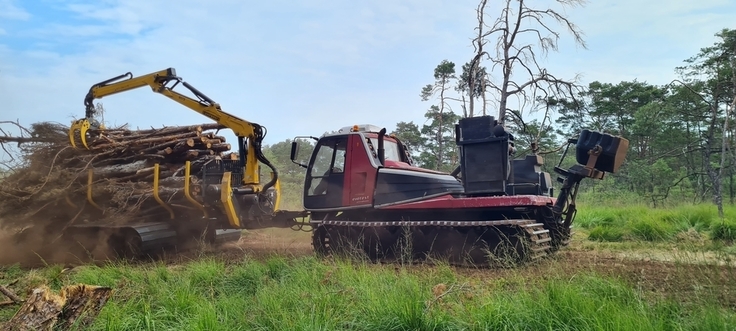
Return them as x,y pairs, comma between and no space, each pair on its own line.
260,133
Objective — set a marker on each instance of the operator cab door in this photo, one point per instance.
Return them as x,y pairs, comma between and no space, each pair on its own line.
326,174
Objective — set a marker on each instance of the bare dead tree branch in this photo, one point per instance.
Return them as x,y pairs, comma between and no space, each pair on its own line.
515,23
478,44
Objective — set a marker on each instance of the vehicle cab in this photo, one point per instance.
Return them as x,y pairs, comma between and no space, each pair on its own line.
351,167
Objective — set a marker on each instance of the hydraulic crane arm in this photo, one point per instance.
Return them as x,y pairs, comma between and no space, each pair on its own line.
247,132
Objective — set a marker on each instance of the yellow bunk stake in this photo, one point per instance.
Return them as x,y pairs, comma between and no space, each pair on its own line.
226,193
155,191
187,172
90,177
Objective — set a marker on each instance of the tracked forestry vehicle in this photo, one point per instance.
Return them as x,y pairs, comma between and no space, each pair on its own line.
364,194
362,191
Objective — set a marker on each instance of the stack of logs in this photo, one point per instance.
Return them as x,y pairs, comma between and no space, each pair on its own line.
52,184
119,152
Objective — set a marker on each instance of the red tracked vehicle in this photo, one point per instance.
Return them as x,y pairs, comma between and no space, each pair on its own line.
364,193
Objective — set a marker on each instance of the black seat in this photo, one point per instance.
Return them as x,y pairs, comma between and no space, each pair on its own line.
529,177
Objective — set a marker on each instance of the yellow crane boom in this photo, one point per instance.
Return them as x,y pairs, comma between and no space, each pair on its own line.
250,135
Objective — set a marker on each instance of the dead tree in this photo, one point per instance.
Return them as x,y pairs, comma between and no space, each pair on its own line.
516,30
473,77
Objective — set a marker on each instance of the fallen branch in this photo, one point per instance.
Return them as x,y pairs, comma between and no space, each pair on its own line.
21,140
8,293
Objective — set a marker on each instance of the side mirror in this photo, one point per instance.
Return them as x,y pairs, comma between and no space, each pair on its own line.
295,152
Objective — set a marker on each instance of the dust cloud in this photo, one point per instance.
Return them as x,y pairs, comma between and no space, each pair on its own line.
38,246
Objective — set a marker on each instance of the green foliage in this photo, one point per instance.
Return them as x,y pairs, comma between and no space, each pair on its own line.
439,151
308,294
606,233
291,176
652,229
534,132
411,136
639,222
723,230
437,137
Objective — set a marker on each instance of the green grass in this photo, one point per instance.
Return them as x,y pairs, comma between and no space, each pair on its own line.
723,230
310,294
638,222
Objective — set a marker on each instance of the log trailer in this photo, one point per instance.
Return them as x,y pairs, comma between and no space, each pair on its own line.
232,197
362,191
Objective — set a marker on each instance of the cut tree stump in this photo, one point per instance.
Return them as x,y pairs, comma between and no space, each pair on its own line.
83,304
76,305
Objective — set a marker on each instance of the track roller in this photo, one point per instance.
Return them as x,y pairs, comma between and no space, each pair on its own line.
478,243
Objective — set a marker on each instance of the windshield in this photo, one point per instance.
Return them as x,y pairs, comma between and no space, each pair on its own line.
391,149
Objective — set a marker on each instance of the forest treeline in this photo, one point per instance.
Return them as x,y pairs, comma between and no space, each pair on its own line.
680,133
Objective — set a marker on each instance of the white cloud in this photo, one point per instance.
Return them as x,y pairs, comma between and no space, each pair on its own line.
249,67
309,67
9,10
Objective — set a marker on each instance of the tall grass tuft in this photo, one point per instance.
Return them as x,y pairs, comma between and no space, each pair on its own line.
641,223
724,230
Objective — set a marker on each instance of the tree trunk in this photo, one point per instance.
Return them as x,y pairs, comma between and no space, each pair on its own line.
442,108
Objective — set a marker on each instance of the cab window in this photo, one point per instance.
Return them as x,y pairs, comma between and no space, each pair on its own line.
391,149
330,159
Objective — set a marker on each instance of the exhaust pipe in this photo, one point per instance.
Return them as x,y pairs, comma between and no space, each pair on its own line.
381,150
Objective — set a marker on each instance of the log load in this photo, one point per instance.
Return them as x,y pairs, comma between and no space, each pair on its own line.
50,186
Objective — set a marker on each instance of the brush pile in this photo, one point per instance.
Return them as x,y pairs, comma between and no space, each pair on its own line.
50,184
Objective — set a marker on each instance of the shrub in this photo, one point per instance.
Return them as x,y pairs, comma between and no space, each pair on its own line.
589,218
606,233
723,230
651,229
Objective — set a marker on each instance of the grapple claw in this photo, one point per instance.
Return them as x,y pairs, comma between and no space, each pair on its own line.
80,127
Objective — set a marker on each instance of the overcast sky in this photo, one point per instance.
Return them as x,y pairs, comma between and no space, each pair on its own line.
305,67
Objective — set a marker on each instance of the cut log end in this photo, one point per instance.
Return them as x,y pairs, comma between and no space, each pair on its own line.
76,305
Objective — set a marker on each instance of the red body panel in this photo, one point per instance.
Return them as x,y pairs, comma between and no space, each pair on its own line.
360,175
450,202
403,165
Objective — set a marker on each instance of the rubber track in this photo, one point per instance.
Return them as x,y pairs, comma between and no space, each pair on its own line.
536,235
